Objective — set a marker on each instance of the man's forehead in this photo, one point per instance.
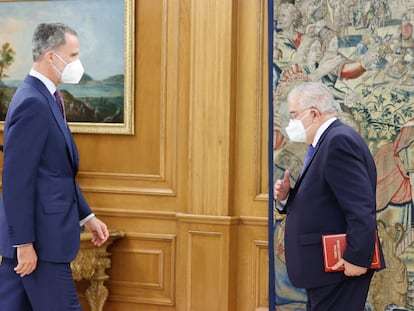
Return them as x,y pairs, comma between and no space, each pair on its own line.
71,46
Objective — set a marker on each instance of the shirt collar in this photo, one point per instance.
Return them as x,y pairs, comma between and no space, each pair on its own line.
322,129
46,81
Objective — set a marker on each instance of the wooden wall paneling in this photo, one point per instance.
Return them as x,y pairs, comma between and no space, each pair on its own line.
204,73
212,80
251,173
207,278
189,187
261,280
143,274
151,276
146,163
252,271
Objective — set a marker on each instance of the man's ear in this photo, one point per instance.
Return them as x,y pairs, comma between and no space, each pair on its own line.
50,56
316,114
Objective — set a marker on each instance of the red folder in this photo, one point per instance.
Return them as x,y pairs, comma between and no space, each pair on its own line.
333,246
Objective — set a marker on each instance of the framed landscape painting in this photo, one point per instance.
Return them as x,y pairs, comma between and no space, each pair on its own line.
102,102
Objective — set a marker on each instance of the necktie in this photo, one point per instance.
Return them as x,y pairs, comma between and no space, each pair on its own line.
307,157
61,104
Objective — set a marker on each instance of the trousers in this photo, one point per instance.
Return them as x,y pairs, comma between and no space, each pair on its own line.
50,287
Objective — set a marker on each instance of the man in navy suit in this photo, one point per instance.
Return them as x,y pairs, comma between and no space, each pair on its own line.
335,193
43,207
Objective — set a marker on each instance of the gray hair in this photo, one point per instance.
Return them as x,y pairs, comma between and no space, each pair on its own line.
314,95
49,37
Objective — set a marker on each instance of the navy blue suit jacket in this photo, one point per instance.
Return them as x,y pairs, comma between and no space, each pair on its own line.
42,202
335,194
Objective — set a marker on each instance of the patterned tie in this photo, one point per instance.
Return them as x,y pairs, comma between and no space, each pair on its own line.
61,104
307,157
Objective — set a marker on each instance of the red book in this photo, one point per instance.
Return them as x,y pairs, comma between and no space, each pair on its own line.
333,246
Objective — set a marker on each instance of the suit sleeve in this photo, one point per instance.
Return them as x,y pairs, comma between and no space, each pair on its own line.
83,206
354,188
26,137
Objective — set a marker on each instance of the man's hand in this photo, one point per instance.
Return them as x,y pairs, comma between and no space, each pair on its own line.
282,187
26,260
98,229
350,269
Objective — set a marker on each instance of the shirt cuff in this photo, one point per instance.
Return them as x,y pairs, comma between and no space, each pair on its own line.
86,219
280,205
22,244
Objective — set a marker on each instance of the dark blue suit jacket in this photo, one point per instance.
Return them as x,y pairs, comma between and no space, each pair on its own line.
42,202
335,194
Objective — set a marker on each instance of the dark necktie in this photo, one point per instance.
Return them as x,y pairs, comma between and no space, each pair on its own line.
61,104
307,157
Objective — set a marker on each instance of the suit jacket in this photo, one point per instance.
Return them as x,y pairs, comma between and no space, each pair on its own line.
334,194
42,202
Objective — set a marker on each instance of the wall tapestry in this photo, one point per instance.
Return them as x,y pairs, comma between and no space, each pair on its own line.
363,50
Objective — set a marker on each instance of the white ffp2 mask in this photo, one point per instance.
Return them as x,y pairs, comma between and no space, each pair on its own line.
296,131
72,73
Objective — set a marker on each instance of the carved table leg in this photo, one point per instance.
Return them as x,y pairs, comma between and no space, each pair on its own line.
90,264
97,293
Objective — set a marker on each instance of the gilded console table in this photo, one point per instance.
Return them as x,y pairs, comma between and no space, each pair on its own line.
90,264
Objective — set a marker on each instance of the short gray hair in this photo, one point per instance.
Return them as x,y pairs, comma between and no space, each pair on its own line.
49,37
314,95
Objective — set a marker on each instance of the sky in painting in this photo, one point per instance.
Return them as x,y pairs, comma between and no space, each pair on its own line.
99,24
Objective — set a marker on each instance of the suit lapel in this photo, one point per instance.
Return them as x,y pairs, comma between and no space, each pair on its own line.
56,114
63,127
321,139
302,174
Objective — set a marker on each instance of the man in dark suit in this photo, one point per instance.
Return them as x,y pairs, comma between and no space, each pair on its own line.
335,193
43,207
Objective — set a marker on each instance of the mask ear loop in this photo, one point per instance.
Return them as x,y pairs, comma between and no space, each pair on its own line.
310,126
301,119
54,52
57,70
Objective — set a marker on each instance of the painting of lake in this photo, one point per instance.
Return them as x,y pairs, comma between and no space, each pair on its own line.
92,101
102,97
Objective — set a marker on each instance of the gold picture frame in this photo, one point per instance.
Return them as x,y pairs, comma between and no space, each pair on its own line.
117,113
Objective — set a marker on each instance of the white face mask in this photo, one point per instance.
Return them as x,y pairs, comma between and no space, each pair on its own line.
73,71
296,131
